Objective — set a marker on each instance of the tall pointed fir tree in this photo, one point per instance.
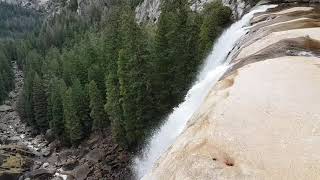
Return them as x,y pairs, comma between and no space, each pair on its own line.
79,99
96,74
39,100
58,89
97,111
3,93
112,45
133,77
175,53
72,125
27,98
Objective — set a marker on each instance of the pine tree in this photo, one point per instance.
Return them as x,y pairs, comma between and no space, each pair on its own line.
170,54
28,99
6,72
3,93
96,105
96,74
73,5
57,92
72,125
34,62
113,107
133,77
215,17
39,101
81,103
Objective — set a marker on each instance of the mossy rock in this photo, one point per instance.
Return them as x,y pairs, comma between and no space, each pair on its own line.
12,163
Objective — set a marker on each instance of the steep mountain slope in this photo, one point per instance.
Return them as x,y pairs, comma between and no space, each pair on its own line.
33,4
261,120
150,10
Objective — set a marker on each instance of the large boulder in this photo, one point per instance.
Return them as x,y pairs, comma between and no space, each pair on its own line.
6,108
40,174
13,164
49,136
81,172
95,155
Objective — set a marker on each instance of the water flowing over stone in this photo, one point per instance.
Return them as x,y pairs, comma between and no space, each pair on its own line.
215,66
261,119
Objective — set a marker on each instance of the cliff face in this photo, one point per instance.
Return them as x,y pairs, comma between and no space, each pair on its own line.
149,10
33,4
261,120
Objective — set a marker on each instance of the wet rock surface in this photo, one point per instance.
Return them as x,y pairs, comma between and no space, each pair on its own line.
261,120
26,156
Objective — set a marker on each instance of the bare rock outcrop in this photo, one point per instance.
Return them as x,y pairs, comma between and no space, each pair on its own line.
150,10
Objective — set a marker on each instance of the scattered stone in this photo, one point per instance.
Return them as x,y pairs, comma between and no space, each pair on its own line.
57,178
5,108
45,165
42,173
45,152
95,155
70,165
49,136
54,145
26,157
52,160
81,172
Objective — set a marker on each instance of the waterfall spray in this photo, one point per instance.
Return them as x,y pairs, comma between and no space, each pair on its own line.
214,67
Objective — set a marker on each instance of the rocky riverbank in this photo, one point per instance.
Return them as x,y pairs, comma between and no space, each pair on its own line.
18,147
24,155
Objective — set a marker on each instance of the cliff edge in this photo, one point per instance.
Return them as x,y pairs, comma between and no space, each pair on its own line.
262,119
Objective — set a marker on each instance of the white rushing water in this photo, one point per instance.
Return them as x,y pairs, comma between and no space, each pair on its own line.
214,67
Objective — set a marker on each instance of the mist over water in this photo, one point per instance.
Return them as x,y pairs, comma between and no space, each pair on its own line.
214,67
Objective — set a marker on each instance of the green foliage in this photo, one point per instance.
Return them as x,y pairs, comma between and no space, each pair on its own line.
6,76
16,22
56,119
27,99
176,54
81,106
3,92
112,45
96,74
215,17
133,73
72,125
39,103
97,113
73,5
87,72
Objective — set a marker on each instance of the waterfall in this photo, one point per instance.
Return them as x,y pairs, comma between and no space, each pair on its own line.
214,67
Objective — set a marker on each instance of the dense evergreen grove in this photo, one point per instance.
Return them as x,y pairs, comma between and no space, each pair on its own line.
15,23
6,74
104,71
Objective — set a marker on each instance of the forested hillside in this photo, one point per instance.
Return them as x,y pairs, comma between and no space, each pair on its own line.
15,23
6,75
86,73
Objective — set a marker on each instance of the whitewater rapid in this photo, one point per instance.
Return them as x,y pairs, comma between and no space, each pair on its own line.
216,64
